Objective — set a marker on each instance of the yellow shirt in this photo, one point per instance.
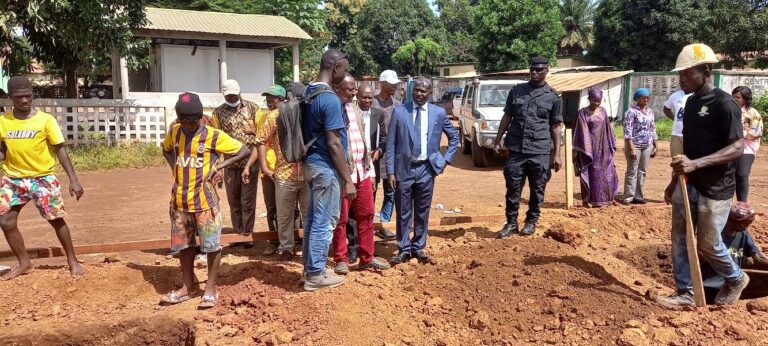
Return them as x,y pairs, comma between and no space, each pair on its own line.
195,156
29,144
261,118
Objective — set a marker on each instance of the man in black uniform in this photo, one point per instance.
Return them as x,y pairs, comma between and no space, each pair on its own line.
532,120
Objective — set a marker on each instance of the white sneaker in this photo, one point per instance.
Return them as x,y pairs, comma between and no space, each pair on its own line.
322,280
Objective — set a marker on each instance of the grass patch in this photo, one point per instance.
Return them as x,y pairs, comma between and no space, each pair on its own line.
663,129
102,157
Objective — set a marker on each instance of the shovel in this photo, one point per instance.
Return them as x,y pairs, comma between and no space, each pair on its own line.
690,243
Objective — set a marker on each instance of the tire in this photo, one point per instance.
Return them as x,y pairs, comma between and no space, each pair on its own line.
466,145
478,153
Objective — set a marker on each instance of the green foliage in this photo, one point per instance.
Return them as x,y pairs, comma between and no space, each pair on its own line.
341,19
71,34
102,157
458,18
761,104
645,35
383,26
509,32
418,57
577,17
747,34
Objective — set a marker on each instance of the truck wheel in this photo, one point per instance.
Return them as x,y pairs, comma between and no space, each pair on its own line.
466,145
478,155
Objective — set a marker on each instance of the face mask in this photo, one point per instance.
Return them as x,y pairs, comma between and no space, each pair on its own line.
233,105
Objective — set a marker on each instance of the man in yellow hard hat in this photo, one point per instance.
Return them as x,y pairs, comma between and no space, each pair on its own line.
713,141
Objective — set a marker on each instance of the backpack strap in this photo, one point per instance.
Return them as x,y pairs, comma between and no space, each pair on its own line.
307,99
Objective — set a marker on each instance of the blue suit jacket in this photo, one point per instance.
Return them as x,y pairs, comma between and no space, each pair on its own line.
401,135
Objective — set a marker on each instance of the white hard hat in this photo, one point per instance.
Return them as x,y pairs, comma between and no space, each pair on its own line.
389,76
694,55
230,87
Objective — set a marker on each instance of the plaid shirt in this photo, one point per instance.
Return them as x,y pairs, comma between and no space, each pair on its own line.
234,122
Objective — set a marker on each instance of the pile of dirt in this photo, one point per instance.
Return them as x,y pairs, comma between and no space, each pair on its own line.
585,285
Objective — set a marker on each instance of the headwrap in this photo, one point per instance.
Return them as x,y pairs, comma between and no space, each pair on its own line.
741,215
595,93
640,93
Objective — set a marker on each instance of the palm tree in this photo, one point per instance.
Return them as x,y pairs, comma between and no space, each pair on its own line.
577,17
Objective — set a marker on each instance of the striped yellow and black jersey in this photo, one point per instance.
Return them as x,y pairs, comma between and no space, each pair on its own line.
194,157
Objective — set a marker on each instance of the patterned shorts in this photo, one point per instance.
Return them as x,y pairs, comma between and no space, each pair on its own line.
204,224
45,191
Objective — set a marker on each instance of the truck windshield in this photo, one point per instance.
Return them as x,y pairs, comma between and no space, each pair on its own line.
494,95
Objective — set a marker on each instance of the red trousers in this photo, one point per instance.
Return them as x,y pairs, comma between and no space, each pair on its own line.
363,206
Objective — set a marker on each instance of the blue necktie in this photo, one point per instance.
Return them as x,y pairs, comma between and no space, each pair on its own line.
417,128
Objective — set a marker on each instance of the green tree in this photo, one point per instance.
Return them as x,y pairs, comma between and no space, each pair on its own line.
418,57
645,35
457,17
747,34
577,17
341,20
76,34
384,26
509,32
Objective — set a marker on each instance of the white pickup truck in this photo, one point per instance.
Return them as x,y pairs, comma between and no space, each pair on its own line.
482,106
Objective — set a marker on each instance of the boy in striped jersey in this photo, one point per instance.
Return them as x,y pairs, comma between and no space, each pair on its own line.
192,150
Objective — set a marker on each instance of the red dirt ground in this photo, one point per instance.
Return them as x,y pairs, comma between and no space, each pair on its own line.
585,282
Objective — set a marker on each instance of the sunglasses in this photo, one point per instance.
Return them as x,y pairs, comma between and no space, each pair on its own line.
538,69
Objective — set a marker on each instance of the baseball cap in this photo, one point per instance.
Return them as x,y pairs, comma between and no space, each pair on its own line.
230,87
389,76
275,90
189,106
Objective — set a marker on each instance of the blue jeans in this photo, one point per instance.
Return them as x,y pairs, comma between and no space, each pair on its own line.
388,204
709,218
324,187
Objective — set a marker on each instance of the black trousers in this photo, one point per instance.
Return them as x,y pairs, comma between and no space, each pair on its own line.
518,168
743,167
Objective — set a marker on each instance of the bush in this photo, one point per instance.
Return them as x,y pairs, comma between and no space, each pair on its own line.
761,104
663,129
102,157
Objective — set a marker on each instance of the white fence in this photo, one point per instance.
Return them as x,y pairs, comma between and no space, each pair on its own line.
106,121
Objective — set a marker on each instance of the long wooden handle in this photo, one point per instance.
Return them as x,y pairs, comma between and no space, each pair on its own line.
690,242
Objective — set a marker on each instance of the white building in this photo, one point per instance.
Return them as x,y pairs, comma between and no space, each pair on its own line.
197,51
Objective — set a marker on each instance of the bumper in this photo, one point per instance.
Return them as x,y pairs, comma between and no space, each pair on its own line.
486,138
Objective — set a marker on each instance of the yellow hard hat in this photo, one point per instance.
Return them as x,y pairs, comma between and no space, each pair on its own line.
694,55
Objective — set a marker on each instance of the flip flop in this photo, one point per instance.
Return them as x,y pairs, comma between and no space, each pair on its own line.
208,301
174,298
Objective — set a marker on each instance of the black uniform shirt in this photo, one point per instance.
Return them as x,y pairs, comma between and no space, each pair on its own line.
534,110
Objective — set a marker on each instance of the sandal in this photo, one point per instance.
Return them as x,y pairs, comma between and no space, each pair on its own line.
208,301
174,297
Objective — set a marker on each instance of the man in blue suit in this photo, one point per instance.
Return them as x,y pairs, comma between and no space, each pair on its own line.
413,160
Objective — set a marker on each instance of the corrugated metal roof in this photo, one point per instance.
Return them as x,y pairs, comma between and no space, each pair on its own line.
552,70
565,82
223,23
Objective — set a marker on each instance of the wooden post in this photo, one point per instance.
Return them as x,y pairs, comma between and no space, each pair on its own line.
296,76
222,63
569,171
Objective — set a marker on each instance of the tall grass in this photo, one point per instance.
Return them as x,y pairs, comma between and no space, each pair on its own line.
663,129
101,157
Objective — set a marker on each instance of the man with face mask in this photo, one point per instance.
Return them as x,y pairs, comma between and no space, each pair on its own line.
236,117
